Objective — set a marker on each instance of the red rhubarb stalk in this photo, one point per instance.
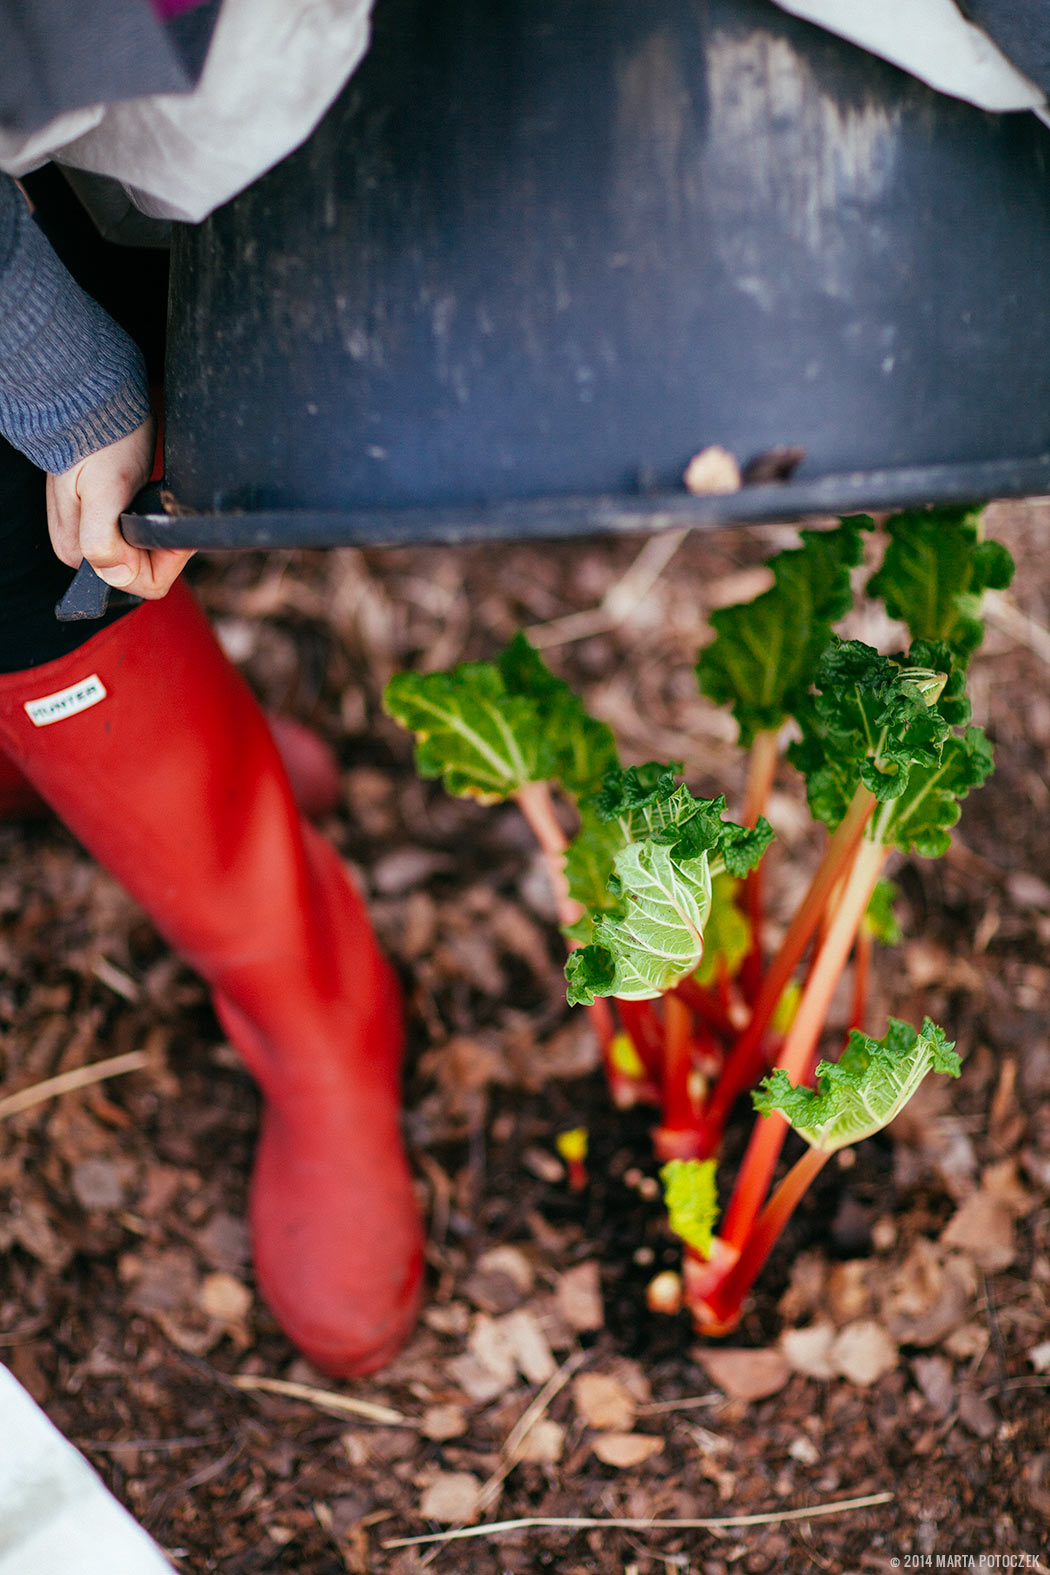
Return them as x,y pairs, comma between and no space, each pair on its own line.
756,1172
720,1310
746,1060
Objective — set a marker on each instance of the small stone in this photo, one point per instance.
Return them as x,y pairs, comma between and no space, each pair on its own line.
626,1449
444,1421
713,470
223,1297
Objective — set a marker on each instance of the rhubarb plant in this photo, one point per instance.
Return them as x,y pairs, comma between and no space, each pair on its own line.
660,893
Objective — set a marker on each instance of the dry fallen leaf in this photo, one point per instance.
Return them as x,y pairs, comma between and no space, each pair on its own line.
626,1449
928,1296
983,1227
528,1344
453,1498
602,1401
863,1352
579,1297
746,1375
808,1350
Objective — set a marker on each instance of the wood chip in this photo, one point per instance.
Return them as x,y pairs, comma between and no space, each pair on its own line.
626,1449
452,1499
543,1444
746,1375
808,1351
602,1401
863,1352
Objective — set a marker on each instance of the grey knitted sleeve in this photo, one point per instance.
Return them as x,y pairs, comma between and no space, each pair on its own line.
71,380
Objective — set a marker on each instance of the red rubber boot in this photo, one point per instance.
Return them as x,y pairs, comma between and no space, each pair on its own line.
18,798
151,748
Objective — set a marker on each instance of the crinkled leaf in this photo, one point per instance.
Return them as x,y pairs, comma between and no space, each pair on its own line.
727,934
645,801
934,572
861,1093
691,1198
643,834
871,722
656,937
923,816
952,703
764,654
486,728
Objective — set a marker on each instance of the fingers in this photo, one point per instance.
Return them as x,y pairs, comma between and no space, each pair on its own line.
84,506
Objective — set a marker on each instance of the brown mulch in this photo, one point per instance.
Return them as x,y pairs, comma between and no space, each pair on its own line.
902,1328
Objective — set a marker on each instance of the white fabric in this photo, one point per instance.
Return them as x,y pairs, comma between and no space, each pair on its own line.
932,40
272,71
56,1518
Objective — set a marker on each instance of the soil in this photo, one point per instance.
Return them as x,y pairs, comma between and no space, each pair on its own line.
899,1341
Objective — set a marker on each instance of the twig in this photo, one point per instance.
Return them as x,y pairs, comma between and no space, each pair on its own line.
1010,620
325,1399
599,1523
658,1407
68,1082
619,601
511,1451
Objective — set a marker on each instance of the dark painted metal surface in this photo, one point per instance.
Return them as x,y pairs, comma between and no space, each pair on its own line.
541,252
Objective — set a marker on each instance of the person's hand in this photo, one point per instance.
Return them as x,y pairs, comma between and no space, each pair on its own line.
84,505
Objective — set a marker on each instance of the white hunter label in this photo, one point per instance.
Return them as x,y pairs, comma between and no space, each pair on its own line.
66,702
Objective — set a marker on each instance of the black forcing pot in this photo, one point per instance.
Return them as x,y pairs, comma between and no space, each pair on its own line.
542,252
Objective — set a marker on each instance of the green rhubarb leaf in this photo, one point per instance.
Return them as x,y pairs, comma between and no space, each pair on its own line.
762,660
646,801
486,728
727,935
923,816
691,1198
641,865
872,721
861,1093
934,573
481,741
657,936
